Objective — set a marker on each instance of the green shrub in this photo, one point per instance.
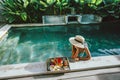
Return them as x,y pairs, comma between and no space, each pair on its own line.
87,6
47,6
61,6
54,7
31,11
21,11
110,8
102,8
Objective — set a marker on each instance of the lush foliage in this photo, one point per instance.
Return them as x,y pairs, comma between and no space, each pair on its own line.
87,6
21,10
25,11
110,8
47,6
55,7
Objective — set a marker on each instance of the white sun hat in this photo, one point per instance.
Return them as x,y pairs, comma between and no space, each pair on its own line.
78,41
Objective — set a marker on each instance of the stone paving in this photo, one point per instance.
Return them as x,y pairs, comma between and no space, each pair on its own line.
38,68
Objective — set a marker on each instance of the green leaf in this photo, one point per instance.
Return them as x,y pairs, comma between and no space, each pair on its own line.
42,9
98,2
25,3
24,16
43,4
50,2
93,1
11,19
65,4
88,1
33,1
58,3
82,2
13,13
117,1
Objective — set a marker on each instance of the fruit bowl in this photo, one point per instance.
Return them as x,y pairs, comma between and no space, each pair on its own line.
58,64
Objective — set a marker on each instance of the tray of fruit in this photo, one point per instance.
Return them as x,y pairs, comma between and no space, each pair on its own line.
58,64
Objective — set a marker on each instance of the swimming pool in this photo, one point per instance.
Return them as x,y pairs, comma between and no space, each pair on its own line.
36,44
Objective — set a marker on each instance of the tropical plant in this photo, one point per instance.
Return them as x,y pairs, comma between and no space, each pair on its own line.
87,6
24,11
54,7
61,6
12,11
110,8
16,11
47,6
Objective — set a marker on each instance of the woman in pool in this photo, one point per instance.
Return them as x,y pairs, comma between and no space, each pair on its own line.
79,46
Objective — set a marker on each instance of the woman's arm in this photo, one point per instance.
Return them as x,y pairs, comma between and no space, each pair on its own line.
75,51
88,54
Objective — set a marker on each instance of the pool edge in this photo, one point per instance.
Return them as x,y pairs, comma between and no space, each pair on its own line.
39,68
3,30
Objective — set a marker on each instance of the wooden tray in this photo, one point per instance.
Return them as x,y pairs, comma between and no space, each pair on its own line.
58,64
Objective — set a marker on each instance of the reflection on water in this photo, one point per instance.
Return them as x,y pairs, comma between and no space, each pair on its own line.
40,43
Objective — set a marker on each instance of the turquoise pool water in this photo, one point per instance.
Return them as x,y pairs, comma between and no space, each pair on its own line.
36,44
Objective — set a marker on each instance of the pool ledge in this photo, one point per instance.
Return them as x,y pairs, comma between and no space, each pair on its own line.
38,68
34,24
4,30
